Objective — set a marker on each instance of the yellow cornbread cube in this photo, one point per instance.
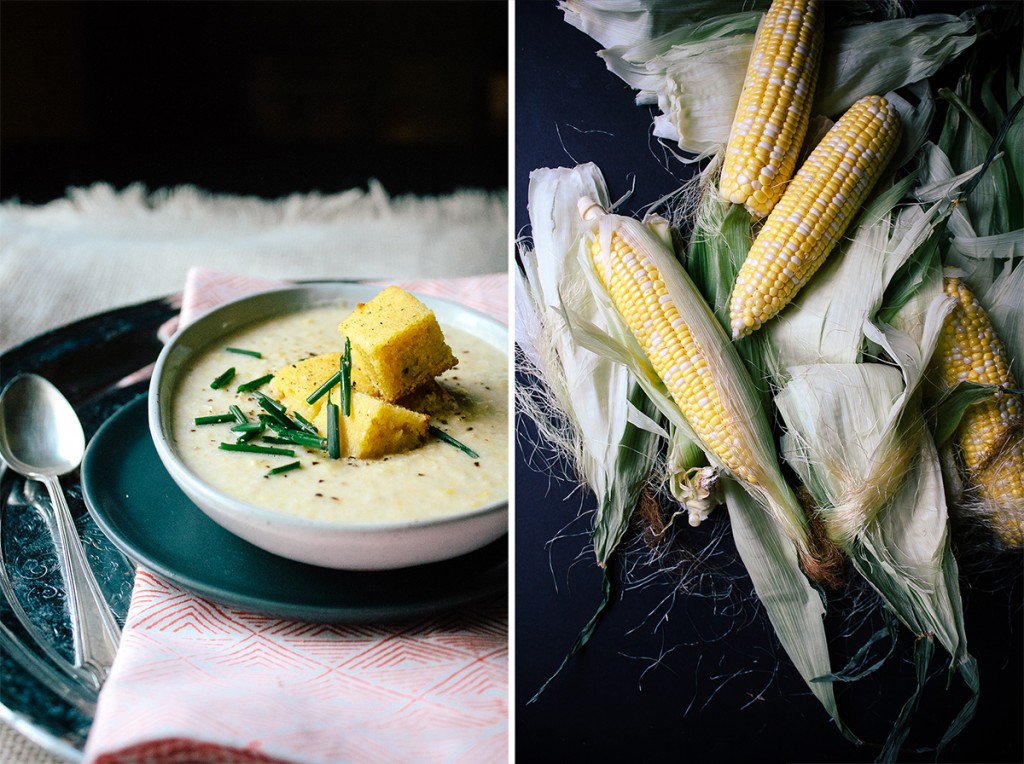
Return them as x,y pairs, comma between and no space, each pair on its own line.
375,428
297,381
397,345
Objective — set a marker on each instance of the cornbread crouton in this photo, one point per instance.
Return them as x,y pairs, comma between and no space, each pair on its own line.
397,345
375,428
297,381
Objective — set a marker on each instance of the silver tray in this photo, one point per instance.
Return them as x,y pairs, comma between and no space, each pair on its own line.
100,363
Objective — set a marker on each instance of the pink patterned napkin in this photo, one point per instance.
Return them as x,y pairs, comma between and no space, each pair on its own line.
195,681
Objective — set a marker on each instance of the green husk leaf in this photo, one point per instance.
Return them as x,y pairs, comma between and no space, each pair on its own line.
950,407
880,56
1004,303
970,146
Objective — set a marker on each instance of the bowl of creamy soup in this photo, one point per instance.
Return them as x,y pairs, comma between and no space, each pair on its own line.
342,425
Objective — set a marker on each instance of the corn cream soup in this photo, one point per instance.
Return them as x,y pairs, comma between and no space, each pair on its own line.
432,481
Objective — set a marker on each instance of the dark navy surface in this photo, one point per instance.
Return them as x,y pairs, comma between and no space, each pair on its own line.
684,666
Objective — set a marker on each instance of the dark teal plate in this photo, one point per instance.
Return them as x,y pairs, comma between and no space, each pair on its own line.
140,508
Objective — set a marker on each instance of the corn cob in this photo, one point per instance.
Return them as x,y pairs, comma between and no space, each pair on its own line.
636,287
814,212
989,436
775,106
690,352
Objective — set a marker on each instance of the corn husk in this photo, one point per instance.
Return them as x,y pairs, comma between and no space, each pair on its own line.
695,73
586,406
856,430
769,526
582,402
626,23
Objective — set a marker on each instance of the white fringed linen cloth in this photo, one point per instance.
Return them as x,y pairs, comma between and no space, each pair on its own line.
100,248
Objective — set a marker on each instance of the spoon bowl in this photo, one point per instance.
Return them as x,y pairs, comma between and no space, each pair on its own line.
40,434
41,438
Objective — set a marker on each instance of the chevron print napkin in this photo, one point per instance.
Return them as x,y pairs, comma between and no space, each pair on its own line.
195,681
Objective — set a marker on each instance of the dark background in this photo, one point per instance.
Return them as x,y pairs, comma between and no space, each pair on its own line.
685,667
261,98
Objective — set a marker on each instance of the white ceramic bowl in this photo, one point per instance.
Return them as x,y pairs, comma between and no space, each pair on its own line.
317,542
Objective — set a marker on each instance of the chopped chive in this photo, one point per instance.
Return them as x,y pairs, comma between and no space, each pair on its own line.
442,435
249,427
275,439
252,384
253,449
275,410
333,435
300,438
242,351
346,379
223,379
247,435
305,424
238,414
322,390
215,419
285,468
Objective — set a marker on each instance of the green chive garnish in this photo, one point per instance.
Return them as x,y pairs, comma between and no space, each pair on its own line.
252,449
300,438
247,435
275,410
442,435
305,424
285,468
215,419
223,379
241,351
238,414
251,385
322,390
333,436
346,379
249,427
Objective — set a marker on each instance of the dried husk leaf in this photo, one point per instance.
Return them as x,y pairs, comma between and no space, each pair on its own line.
582,402
794,607
627,23
695,76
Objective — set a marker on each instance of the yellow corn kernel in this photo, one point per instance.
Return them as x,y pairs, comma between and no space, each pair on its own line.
636,287
814,212
990,432
1001,486
774,107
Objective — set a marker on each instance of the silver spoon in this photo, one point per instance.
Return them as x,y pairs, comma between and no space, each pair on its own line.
41,438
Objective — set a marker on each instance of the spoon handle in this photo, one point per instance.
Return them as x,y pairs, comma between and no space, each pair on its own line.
95,632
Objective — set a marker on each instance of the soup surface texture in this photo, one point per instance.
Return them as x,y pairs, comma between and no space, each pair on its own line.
433,481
